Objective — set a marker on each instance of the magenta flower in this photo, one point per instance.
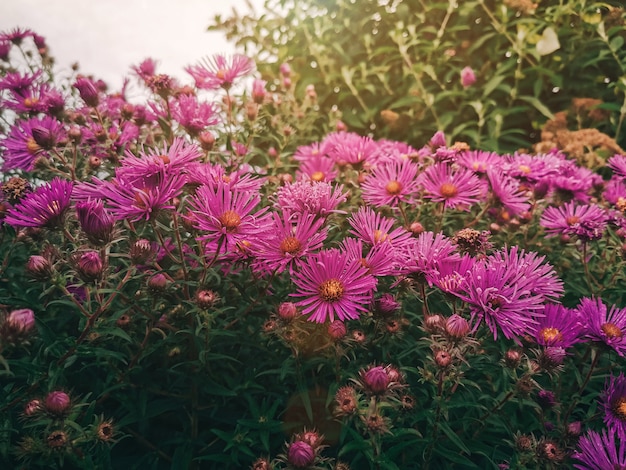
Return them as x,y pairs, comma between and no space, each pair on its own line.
374,228
587,221
600,452
424,256
506,291
301,454
613,402
478,160
319,198
29,140
22,320
192,115
317,168
391,183
379,259
455,187
558,326
332,285
289,238
468,77
375,379
225,216
57,403
602,326
44,207
617,163
506,192
88,91
220,71
349,148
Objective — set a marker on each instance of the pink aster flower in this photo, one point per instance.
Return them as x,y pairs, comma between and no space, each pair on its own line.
457,188
374,228
220,71
192,115
506,192
349,148
44,207
391,183
468,77
587,221
380,259
226,216
29,140
478,160
608,327
500,292
424,256
600,452
615,191
289,238
317,168
317,197
558,326
16,35
613,401
332,285
617,163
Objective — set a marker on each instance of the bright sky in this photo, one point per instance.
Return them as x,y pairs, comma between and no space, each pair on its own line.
108,36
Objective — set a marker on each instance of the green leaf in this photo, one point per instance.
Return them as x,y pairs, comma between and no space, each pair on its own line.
538,105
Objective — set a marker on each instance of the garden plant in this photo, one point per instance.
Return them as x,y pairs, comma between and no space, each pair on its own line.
362,244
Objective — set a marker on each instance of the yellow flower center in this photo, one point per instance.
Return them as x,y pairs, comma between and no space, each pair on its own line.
221,74
380,236
32,146
524,169
611,330
572,219
393,187
317,176
230,220
618,407
448,190
550,334
331,290
164,158
290,245
31,101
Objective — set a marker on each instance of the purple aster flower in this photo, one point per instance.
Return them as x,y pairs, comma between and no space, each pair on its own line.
391,183
220,71
316,197
613,402
317,168
587,221
506,192
600,452
615,192
423,256
455,187
226,216
617,163
307,152
506,291
193,115
29,140
16,35
215,175
146,69
349,148
451,274
602,326
289,239
380,259
559,326
478,160
332,285
44,207
374,228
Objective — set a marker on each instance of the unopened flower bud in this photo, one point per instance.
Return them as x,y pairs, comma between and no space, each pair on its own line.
39,267
272,152
206,298
207,140
512,358
386,305
57,403
468,77
300,454
337,330
310,91
258,91
141,251
95,162
22,320
88,91
574,429
287,311
158,282
90,266
443,358
416,228
261,464
546,399
457,327
375,380
96,221
434,324
340,126
285,69
32,407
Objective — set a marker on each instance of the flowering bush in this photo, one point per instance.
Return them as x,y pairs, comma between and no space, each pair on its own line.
224,276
